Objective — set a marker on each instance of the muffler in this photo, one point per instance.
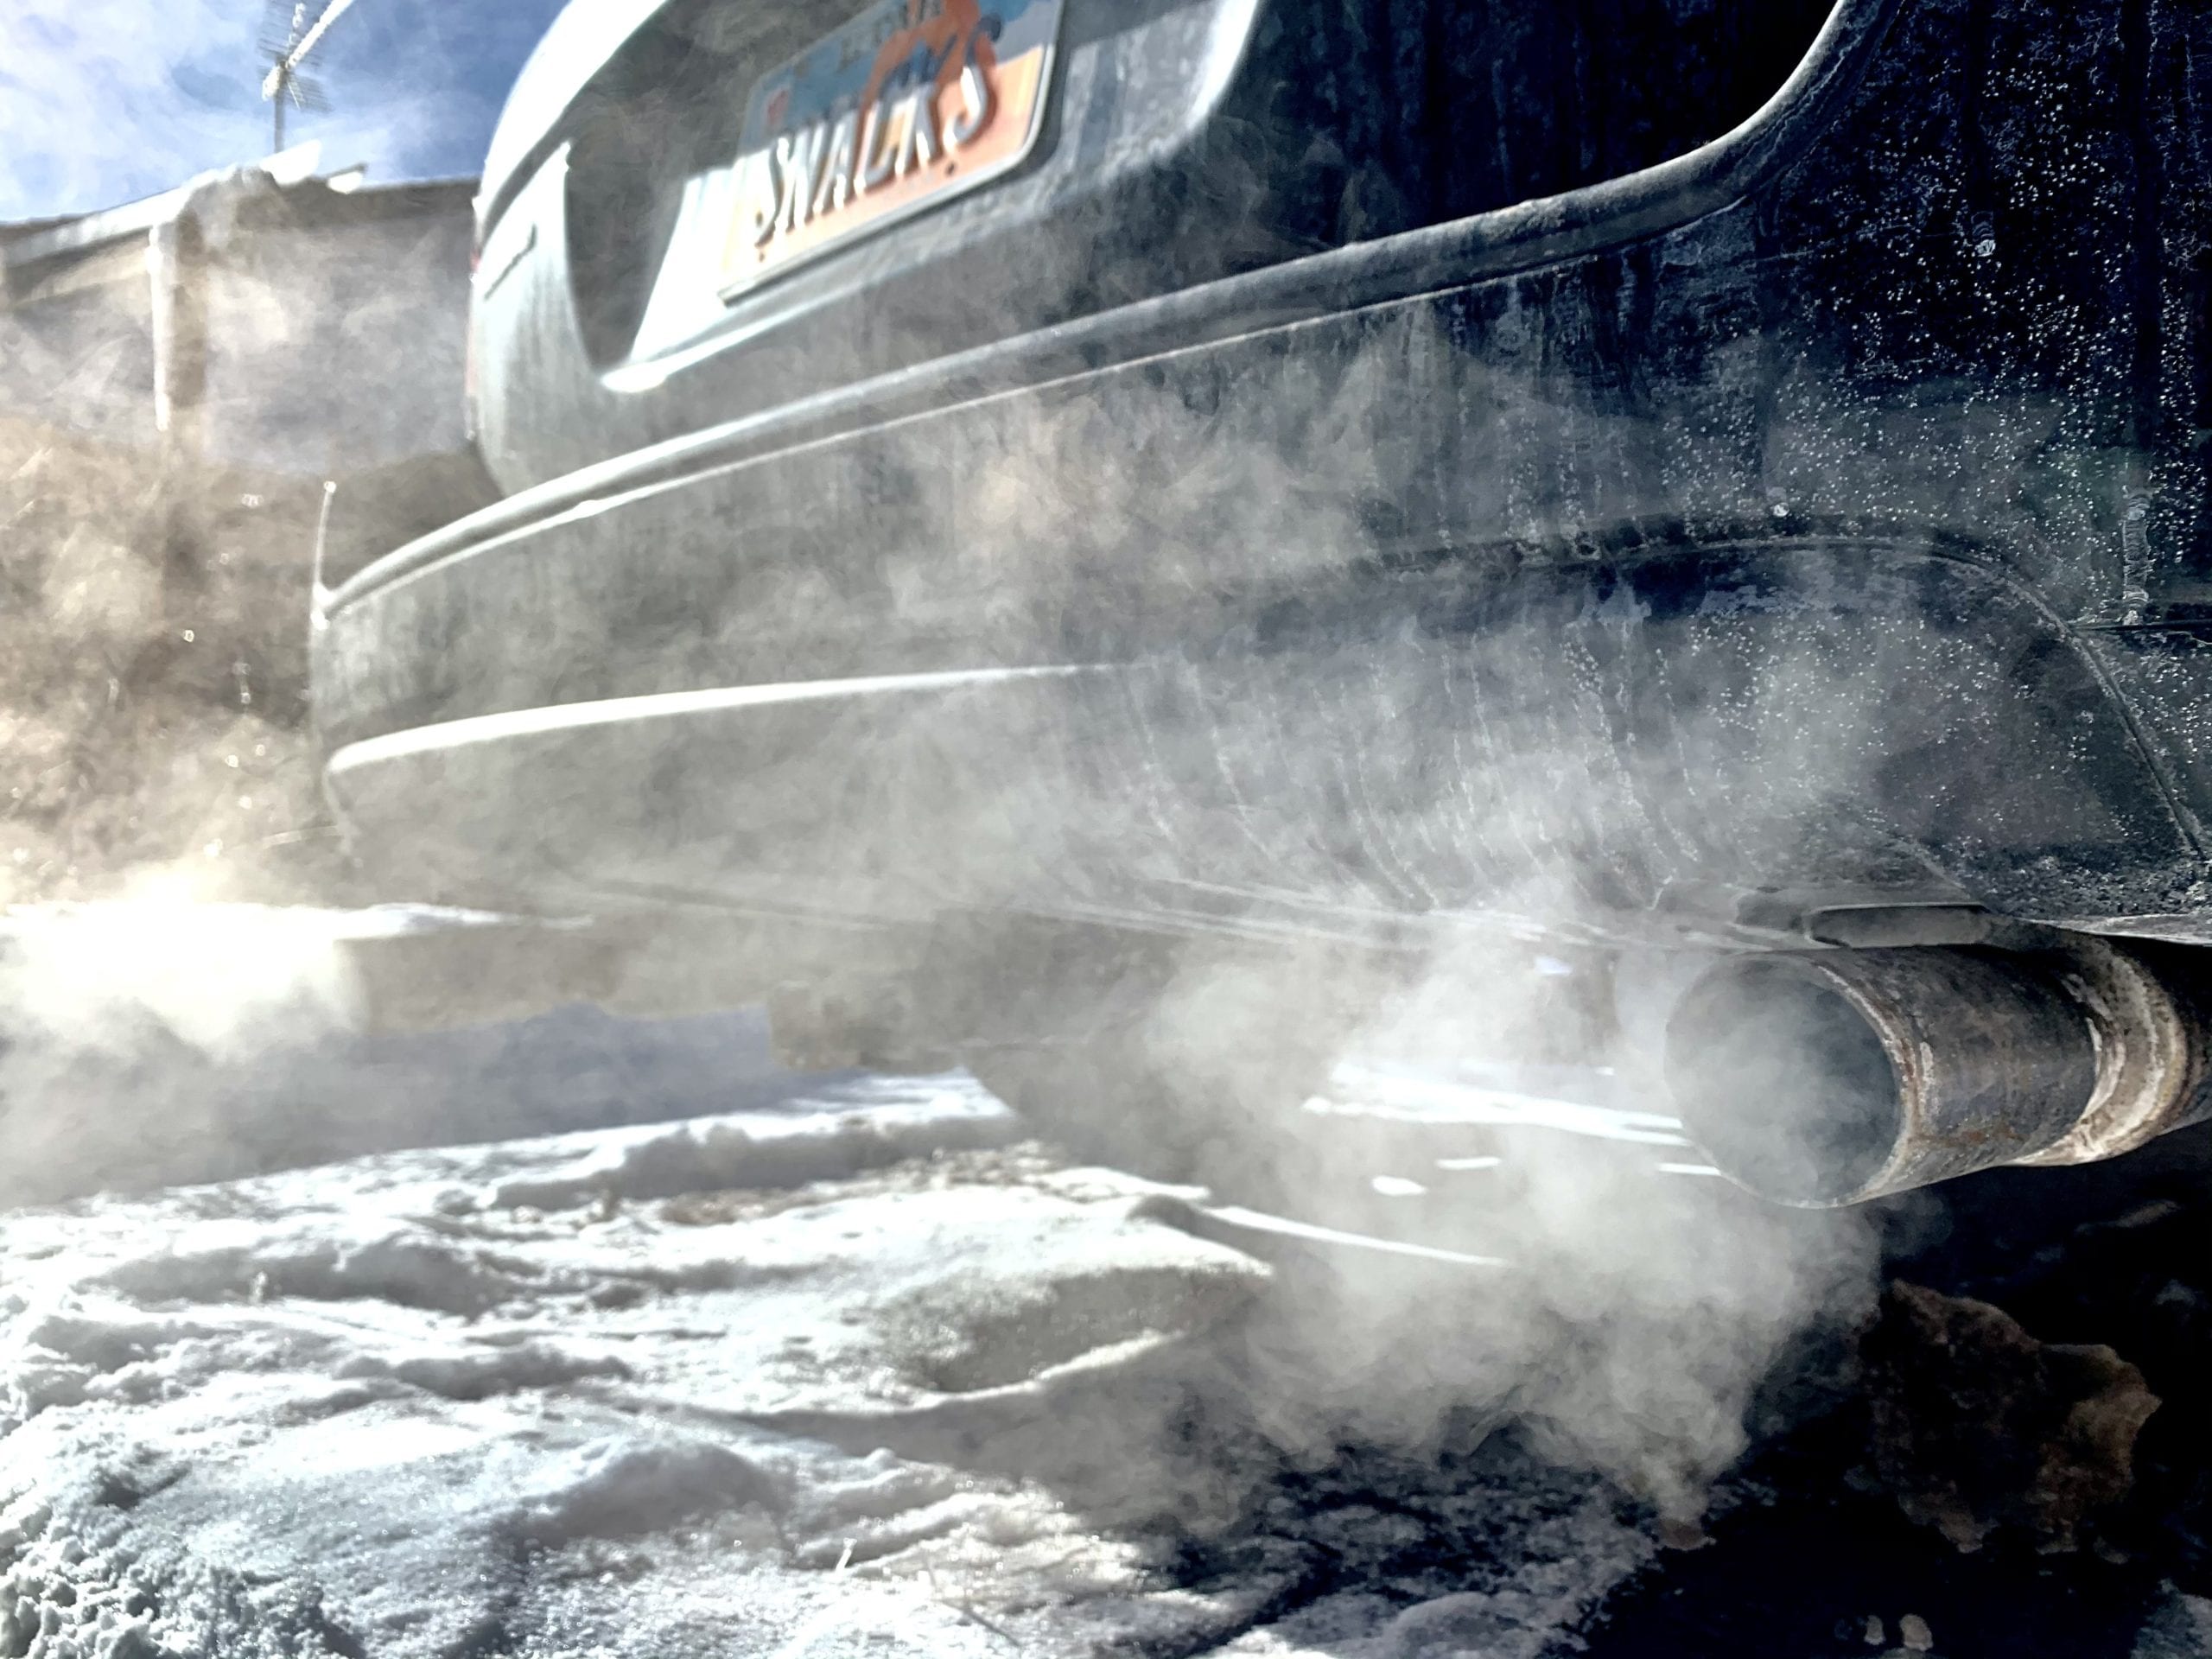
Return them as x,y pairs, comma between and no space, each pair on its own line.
1826,1077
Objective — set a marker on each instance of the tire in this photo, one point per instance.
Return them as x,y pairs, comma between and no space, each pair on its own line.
1105,1104
1183,1062
1226,1118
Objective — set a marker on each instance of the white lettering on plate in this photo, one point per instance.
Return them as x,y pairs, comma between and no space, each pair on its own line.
818,168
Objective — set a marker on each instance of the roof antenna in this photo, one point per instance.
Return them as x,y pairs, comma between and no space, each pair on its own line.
290,30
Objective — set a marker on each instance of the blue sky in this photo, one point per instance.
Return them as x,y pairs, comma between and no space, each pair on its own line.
103,101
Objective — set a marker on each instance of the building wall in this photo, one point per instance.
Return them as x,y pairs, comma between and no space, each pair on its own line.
288,329
336,348
77,347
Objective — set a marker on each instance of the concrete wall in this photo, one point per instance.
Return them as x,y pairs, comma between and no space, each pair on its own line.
178,379
239,323
336,340
77,345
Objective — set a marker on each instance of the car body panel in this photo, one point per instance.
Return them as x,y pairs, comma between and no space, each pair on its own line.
1187,140
1820,512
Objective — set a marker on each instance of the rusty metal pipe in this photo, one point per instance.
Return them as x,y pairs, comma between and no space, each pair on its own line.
1826,1077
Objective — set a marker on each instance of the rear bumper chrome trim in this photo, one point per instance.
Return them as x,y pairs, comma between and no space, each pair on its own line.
668,705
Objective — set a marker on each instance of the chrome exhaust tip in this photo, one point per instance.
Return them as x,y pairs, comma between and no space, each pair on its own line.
1828,1077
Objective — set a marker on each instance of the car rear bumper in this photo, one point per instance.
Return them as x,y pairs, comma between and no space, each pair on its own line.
1722,741
1697,545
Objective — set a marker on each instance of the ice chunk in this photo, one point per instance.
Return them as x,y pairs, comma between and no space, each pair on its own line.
617,1487
768,1150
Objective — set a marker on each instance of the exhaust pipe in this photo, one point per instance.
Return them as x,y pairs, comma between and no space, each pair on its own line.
1821,1078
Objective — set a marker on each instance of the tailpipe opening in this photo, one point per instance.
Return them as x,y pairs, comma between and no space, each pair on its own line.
1821,1078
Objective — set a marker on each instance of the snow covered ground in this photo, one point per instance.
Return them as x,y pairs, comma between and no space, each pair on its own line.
857,1373
684,1356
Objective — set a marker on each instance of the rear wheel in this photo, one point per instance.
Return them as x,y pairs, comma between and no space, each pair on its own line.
1109,1102
1194,1075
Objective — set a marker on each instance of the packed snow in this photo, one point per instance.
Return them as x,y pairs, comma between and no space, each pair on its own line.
682,1354
857,1372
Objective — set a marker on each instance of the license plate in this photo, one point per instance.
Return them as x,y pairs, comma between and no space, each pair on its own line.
909,104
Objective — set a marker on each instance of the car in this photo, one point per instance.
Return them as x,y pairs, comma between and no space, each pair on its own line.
1097,538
